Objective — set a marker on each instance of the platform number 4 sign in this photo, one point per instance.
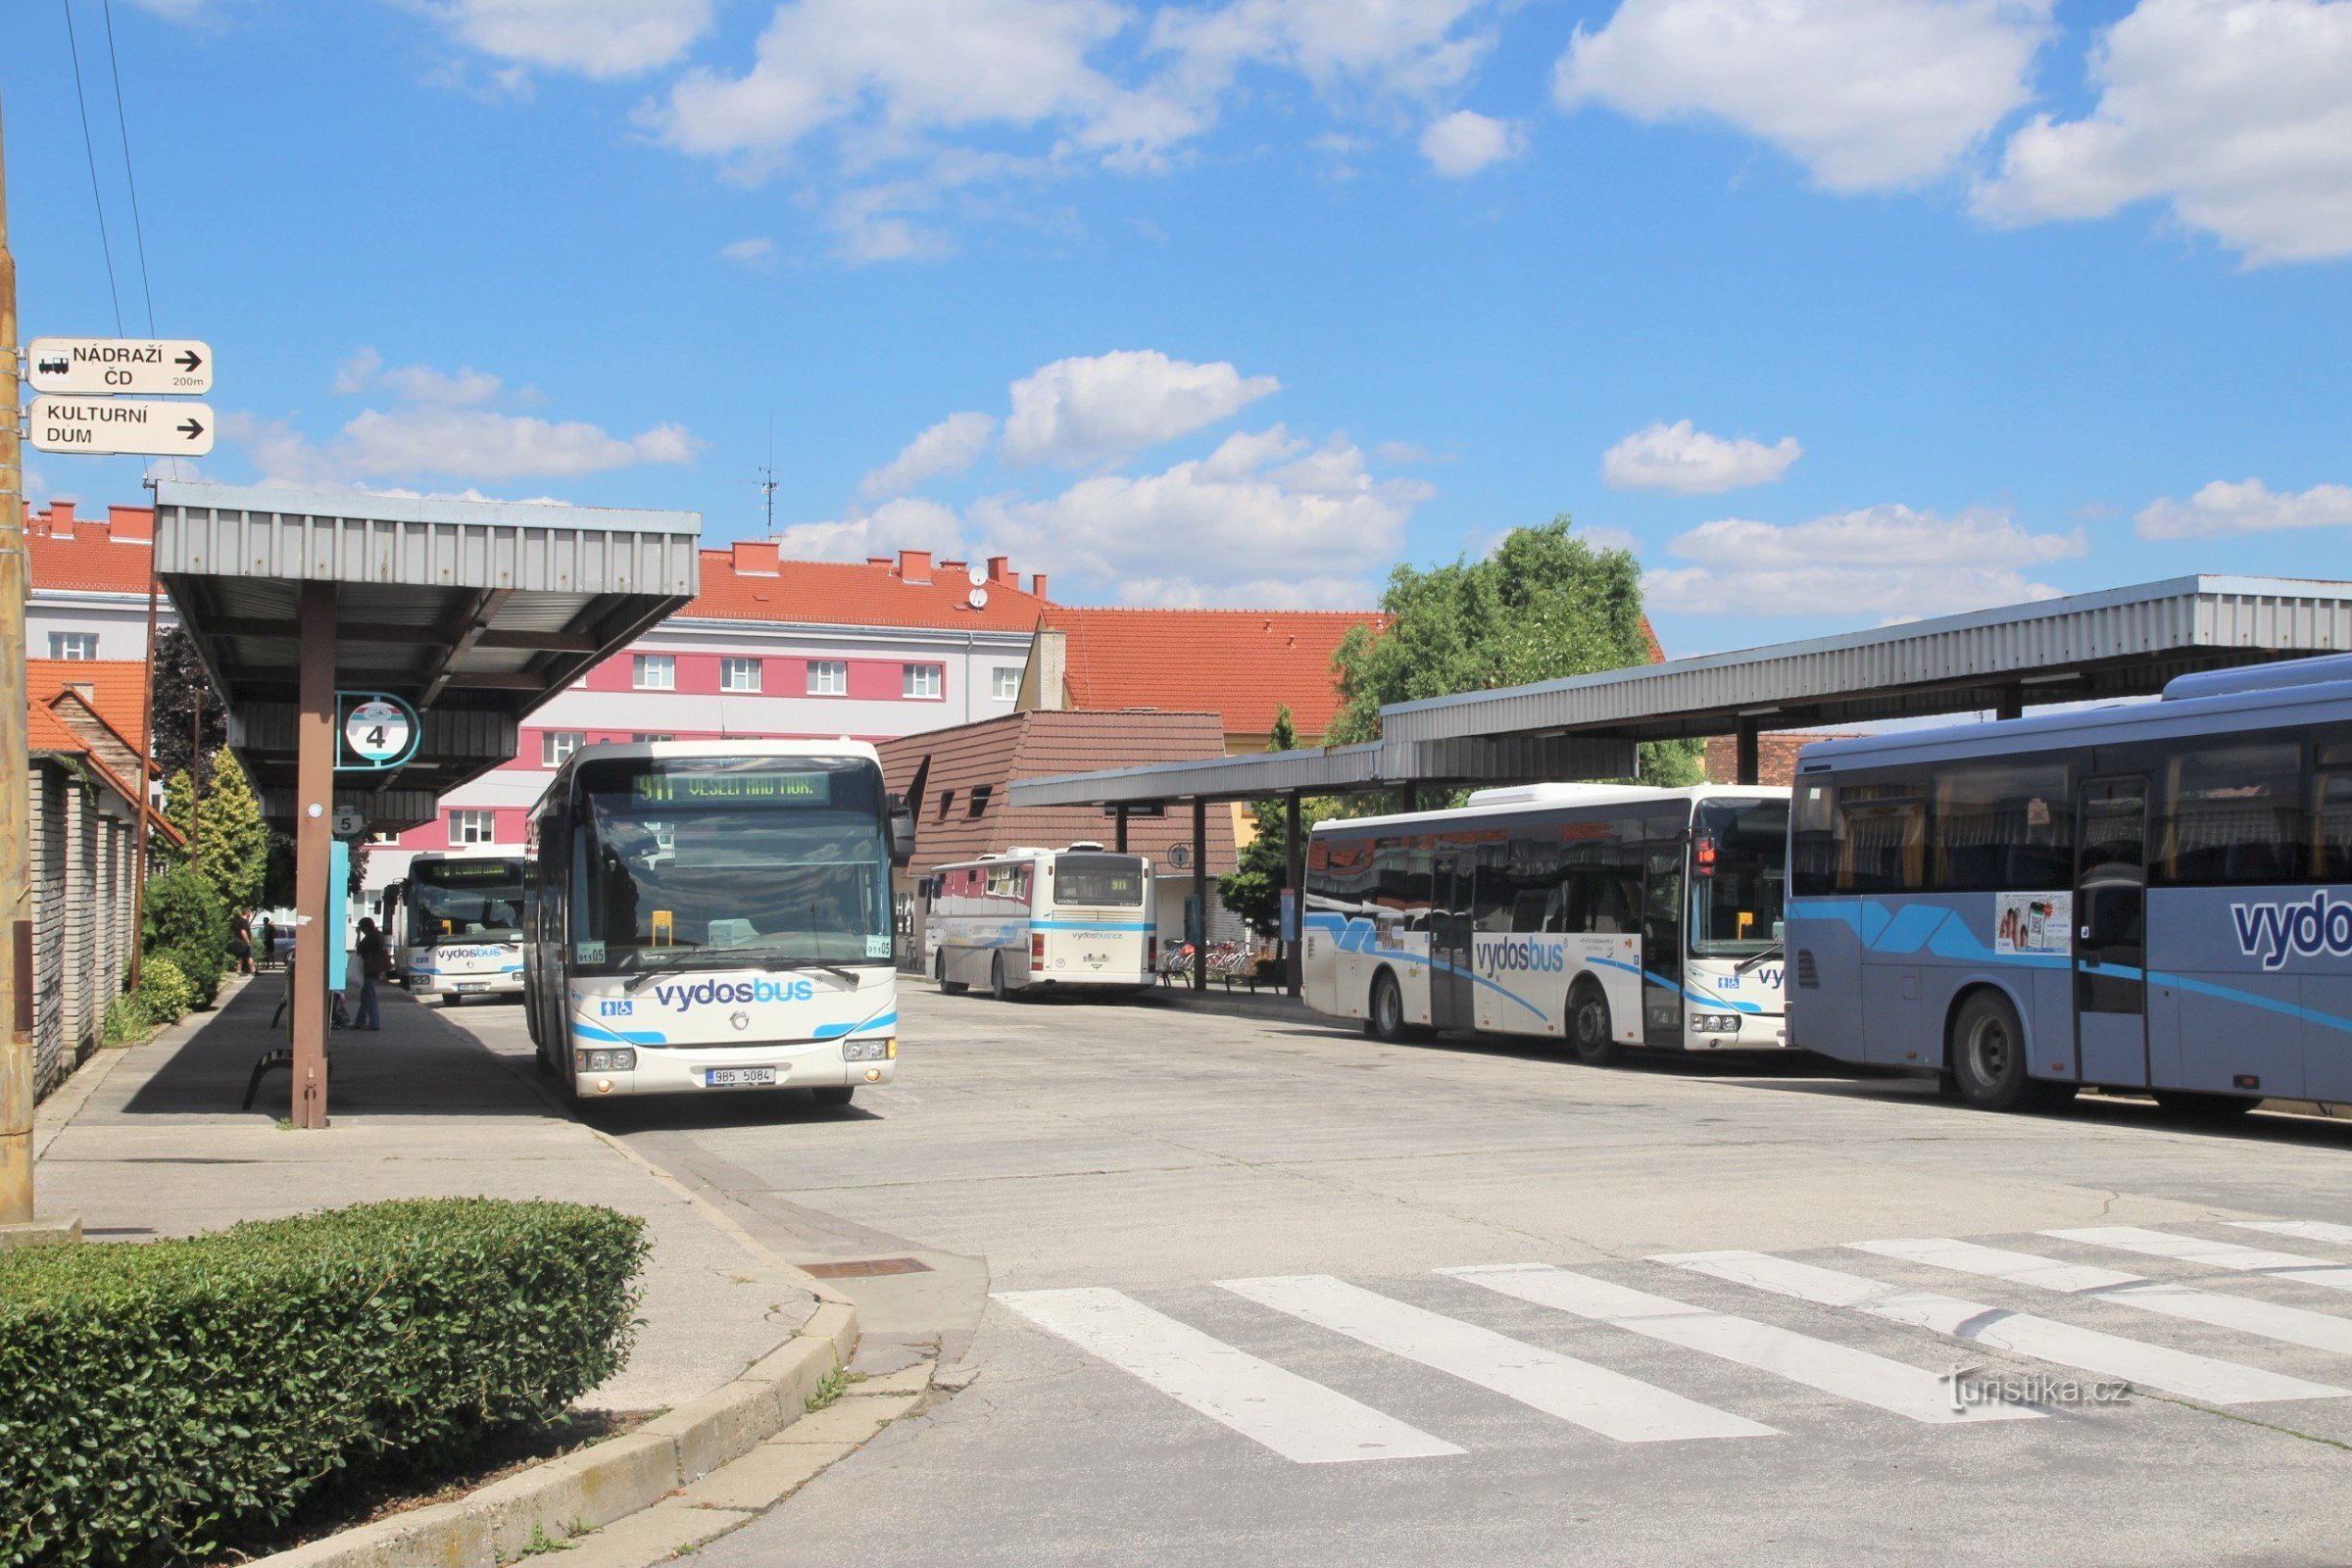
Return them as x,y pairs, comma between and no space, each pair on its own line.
379,731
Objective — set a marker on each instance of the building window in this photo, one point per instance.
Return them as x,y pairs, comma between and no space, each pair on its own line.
474,826
383,838
828,677
654,672
1005,683
554,744
739,674
947,801
919,680
980,794
72,645
646,740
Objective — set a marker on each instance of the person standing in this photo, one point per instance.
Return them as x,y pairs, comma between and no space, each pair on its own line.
268,941
240,939
371,957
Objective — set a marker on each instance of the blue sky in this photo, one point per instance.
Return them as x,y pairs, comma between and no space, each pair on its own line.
1834,310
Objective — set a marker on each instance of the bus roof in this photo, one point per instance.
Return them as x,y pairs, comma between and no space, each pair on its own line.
2285,695
736,746
1600,800
473,851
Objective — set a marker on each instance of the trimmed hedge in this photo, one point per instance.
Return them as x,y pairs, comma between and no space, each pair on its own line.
164,993
199,968
158,1399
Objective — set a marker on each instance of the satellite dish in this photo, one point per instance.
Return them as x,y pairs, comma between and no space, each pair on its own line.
977,599
977,574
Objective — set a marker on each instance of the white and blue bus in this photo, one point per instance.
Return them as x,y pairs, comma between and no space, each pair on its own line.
1080,918
460,917
717,915
1605,915
2155,896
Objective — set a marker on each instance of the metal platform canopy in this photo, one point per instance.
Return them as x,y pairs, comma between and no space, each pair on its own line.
2123,642
474,613
1404,766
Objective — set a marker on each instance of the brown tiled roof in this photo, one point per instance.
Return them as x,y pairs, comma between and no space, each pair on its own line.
994,752
89,554
1244,663
746,582
117,690
47,733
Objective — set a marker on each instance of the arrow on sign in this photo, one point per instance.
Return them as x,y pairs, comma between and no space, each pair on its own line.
188,360
190,428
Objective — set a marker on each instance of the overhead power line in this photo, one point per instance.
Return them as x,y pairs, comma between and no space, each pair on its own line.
139,229
90,147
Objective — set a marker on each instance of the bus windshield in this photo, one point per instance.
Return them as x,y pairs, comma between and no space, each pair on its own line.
722,861
1099,879
1735,911
465,900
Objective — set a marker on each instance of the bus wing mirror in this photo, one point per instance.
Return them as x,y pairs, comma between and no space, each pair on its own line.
902,831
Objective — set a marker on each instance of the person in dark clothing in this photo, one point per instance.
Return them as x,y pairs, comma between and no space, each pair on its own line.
240,941
373,962
268,940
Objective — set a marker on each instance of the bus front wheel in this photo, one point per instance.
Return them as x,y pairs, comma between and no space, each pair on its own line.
1591,1029
832,1097
1385,1020
995,979
947,986
1988,1058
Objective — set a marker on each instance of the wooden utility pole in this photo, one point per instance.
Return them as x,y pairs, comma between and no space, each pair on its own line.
16,765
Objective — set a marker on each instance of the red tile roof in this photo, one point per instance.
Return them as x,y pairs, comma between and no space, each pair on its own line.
47,733
87,555
117,690
748,582
1245,663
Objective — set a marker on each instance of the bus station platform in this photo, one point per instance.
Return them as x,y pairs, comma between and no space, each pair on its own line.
149,1140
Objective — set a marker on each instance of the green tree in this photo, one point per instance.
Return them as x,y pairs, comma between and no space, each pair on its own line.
1544,605
228,842
1263,869
191,721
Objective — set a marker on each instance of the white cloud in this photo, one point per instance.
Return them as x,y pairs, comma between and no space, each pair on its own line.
1688,462
443,439
948,447
1890,561
1263,519
1463,143
356,373
910,65
414,383
604,39
1079,411
2223,509
1868,94
905,523
2237,112
748,252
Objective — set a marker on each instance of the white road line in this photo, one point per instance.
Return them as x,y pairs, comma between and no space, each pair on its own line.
1298,1419
2321,1331
1839,1369
1595,1398
2214,1254
2308,1230
2111,1356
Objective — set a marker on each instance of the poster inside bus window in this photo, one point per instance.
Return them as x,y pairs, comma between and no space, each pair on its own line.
2033,922
732,789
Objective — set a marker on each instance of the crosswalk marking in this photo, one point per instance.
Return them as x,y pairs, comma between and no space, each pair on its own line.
1297,1418
2111,1356
2291,1324
2310,1230
1839,1369
1591,1396
2214,1254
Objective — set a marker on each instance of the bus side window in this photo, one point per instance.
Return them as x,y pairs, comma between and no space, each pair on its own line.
1813,841
2233,815
2332,817
1884,828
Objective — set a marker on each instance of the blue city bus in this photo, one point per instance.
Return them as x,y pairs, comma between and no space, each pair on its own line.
2152,897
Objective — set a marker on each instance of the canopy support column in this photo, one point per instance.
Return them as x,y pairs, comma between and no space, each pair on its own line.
1119,832
1293,960
2012,704
1200,892
314,842
1745,745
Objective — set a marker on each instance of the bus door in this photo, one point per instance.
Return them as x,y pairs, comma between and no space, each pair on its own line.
2110,932
1662,941
1451,1002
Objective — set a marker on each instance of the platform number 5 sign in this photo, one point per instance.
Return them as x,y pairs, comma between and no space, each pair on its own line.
379,731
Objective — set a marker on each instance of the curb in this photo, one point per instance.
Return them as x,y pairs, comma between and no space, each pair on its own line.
597,1485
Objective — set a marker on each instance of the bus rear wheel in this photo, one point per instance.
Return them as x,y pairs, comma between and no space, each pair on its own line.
947,986
1591,1030
995,979
1988,1058
2193,1105
1386,1020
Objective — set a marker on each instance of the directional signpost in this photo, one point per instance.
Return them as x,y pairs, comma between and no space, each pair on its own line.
111,426
107,367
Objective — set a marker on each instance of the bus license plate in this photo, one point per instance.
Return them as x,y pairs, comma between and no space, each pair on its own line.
472,985
737,1077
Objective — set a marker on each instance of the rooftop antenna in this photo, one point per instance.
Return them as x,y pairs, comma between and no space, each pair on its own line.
767,477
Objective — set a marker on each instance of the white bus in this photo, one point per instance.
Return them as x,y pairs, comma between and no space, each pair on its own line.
460,917
1080,917
1605,915
717,915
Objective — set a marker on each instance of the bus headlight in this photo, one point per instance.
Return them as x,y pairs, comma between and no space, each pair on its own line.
622,1058
870,1050
1715,1024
